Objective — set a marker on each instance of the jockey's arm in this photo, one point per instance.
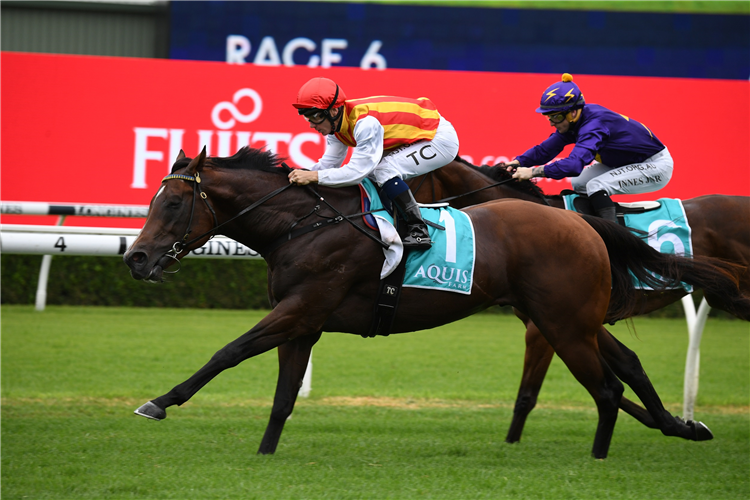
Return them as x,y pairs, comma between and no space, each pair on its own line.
333,157
368,133
590,139
544,152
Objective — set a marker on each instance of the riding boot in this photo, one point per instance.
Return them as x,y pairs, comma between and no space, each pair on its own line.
418,237
603,206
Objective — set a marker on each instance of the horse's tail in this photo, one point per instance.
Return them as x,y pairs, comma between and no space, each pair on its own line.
628,253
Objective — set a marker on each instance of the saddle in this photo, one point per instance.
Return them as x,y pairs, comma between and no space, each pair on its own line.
582,204
389,293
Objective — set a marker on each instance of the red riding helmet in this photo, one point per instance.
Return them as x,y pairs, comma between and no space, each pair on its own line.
319,93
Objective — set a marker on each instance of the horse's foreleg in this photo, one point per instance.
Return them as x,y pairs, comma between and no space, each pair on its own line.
293,359
627,366
280,326
535,364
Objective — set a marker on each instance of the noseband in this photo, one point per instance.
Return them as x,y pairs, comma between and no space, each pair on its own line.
180,245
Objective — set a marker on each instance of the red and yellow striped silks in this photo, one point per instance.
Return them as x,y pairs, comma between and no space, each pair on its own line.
405,120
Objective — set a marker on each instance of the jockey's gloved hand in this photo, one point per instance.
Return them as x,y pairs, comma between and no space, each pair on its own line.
508,167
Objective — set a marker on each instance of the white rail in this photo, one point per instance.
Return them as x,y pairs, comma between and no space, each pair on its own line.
696,322
60,240
85,210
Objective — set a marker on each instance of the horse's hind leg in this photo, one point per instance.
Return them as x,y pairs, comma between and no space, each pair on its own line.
293,359
535,364
537,359
627,366
580,354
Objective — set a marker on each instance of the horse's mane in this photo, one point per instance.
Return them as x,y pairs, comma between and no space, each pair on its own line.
245,158
500,174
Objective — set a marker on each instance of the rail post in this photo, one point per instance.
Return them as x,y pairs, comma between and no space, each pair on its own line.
696,322
41,286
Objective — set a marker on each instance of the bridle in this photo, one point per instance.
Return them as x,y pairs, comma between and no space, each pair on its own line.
181,244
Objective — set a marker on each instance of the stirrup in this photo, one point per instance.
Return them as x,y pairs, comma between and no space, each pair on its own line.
415,239
421,245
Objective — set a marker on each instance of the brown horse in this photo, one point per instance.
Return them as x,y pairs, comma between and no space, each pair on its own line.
719,230
327,279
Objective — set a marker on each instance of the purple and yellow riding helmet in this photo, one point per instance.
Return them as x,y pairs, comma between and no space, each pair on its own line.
561,97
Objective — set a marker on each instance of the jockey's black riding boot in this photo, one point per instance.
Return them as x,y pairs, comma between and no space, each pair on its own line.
603,206
418,237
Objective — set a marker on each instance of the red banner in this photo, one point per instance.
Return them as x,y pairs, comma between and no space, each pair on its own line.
81,129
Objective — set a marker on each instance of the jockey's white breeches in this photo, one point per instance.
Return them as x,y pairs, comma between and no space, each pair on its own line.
651,175
420,157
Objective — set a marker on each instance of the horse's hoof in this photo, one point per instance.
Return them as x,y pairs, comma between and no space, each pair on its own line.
702,433
150,410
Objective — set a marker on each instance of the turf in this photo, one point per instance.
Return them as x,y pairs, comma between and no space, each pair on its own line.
666,6
421,415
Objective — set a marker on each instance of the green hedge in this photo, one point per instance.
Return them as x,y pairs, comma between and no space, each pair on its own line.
202,283
106,281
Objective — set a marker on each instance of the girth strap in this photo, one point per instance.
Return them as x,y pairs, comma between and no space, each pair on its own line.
386,303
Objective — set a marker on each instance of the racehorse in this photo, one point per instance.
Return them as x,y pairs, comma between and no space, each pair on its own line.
327,279
719,230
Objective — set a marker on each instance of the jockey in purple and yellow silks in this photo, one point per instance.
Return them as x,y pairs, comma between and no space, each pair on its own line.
628,157
394,138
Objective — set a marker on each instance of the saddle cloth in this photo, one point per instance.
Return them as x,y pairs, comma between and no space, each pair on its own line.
448,265
666,227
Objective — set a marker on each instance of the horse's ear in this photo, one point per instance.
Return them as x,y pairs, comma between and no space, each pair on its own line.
196,164
180,156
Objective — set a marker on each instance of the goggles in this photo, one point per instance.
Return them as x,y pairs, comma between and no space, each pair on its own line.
556,117
315,117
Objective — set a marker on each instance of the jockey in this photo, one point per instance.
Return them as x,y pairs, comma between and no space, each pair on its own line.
394,139
629,159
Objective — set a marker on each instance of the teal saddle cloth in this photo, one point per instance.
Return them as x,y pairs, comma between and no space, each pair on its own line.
666,227
449,264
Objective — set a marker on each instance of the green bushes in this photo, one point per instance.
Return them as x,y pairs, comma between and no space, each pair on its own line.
106,281
202,283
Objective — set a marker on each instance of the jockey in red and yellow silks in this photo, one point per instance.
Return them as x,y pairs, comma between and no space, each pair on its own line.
394,138
404,120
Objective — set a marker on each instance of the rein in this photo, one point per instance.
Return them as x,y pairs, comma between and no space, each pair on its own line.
341,216
451,198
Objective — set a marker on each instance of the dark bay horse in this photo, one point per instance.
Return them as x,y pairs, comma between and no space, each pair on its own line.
719,229
327,279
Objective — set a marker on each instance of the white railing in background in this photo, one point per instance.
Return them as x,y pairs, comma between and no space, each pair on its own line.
696,322
85,210
59,240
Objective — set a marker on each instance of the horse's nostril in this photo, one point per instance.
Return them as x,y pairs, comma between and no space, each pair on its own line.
137,257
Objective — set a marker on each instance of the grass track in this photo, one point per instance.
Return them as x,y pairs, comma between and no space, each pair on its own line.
421,415
667,6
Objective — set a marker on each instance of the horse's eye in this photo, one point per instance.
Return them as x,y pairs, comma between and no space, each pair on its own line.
173,203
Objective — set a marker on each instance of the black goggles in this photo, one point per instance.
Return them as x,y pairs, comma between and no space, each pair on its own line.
556,117
316,117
